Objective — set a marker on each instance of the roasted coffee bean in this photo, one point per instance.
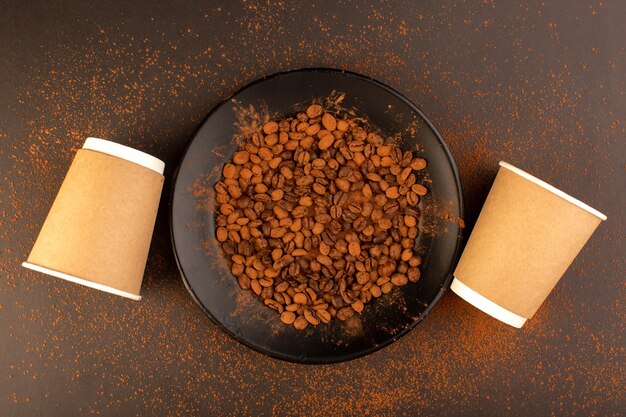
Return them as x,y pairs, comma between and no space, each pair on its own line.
273,304
317,216
345,313
221,234
343,184
414,274
399,279
314,110
335,212
384,223
415,261
329,122
363,277
300,323
311,317
256,287
326,142
358,306
395,251
359,224
418,189
386,287
387,268
323,315
354,249
299,211
418,164
241,157
391,207
288,317
300,298
244,282
410,221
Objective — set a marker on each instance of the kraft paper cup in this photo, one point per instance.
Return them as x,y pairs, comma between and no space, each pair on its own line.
99,228
527,235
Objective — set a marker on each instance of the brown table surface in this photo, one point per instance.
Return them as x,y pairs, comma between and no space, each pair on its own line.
538,84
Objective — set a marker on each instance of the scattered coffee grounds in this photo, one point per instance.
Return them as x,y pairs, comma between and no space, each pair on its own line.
317,216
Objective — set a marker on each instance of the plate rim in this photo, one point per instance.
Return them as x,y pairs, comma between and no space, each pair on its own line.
361,353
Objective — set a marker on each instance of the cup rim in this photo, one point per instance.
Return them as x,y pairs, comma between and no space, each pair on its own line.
81,281
553,189
125,152
486,305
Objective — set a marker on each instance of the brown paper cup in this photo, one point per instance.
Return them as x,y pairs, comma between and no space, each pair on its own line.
527,235
99,228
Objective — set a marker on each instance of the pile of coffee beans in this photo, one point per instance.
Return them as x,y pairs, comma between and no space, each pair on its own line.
317,216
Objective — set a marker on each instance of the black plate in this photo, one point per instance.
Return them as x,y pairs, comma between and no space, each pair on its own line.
241,315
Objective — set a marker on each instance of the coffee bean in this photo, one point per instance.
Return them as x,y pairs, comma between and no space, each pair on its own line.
221,234
391,207
418,164
317,229
395,251
278,232
355,208
414,274
392,192
287,317
256,287
270,127
300,298
241,157
323,315
384,150
360,224
299,211
384,223
324,260
410,221
329,122
362,277
244,282
299,252
375,291
311,317
342,184
312,130
419,189
314,110
386,268
358,306
404,174
273,304
354,249
306,225
412,198
300,323
229,171
335,212
415,261
326,142
345,313
399,279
